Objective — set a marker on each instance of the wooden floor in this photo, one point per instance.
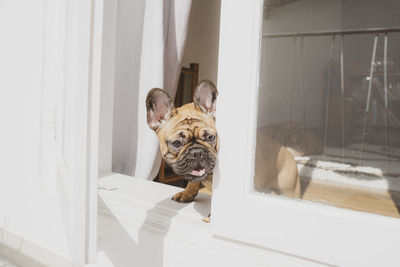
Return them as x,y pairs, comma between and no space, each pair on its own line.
350,197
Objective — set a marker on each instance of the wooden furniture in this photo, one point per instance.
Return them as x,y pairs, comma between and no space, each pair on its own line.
187,83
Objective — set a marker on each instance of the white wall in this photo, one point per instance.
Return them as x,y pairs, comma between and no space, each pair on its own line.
127,68
107,85
202,39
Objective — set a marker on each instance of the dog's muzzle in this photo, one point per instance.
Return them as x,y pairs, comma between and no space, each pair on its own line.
196,163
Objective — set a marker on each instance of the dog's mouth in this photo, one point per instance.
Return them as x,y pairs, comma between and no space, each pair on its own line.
197,174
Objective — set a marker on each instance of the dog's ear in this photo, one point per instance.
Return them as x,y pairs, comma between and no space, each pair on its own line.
205,97
159,107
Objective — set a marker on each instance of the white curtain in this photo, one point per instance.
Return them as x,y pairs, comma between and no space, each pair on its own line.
164,35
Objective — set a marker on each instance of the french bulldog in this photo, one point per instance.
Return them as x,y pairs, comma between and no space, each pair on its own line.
189,144
275,168
188,136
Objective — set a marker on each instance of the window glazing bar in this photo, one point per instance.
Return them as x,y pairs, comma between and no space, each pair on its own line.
333,32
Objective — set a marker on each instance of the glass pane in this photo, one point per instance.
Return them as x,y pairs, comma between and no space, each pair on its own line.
328,126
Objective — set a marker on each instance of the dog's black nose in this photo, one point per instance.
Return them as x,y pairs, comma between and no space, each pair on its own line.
196,153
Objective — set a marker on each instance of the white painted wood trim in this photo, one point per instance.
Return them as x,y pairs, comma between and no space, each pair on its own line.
52,78
79,108
314,231
100,124
94,107
142,205
102,261
130,193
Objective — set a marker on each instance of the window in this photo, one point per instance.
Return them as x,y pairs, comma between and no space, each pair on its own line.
327,95
276,80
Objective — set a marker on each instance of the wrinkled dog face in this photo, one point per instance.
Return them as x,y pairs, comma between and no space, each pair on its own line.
188,138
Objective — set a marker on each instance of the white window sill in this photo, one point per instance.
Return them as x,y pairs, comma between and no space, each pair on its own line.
139,224
143,201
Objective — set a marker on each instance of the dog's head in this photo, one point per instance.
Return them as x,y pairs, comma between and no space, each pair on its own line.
188,137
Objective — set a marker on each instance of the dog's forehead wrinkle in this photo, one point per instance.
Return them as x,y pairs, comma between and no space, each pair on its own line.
188,121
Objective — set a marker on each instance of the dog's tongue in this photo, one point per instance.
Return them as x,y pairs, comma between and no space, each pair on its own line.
198,172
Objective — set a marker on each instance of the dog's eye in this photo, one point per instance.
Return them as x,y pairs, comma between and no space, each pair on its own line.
177,144
211,138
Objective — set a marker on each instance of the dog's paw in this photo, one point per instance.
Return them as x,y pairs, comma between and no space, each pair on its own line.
207,219
183,197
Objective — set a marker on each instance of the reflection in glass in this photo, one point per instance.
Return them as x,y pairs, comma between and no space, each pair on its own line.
328,126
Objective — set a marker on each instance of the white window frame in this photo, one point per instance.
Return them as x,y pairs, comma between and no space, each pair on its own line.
56,224
77,81
318,232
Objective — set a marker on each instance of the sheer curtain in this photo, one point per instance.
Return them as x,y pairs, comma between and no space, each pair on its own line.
163,35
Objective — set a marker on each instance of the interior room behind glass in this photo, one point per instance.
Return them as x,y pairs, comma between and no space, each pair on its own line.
330,92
